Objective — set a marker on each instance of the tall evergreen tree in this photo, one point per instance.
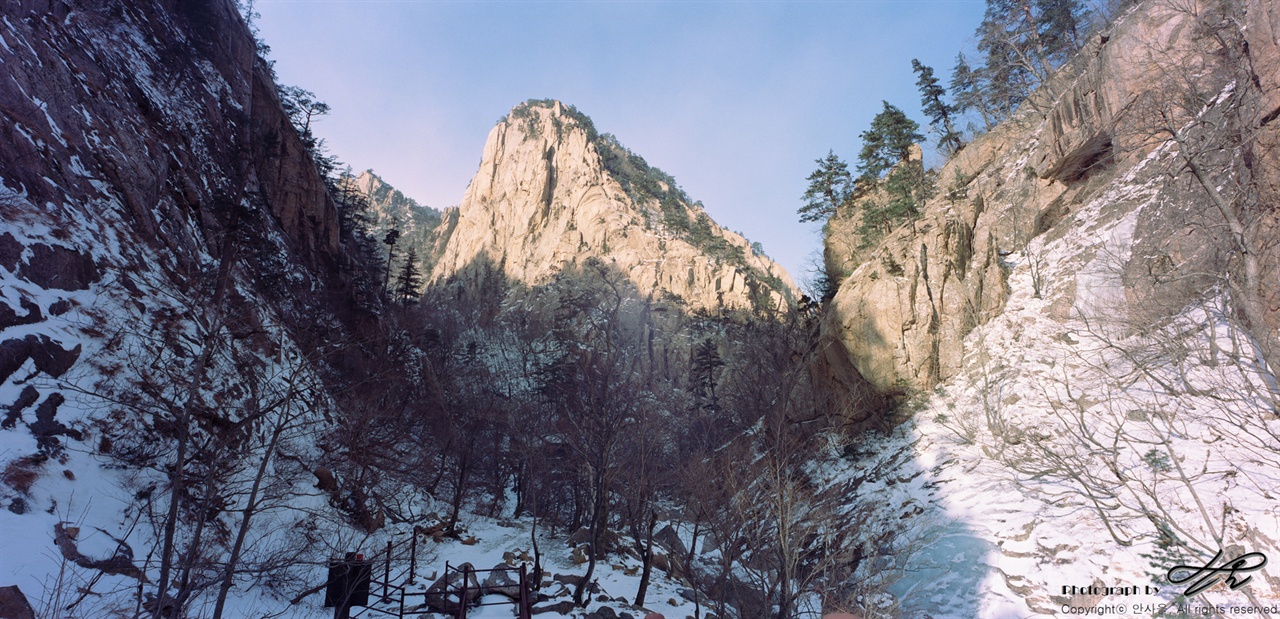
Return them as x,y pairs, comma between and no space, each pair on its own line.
829,188
887,142
303,107
885,163
967,91
1023,41
1060,23
706,371
938,111
393,235
1005,76
409,281
353,207
1014,24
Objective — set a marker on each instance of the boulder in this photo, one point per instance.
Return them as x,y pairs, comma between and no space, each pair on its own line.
670,540
13,353
10,318
503,580
28,397
443,594
50,357
10,252
14,605
325,480
604,612
581,536
63,268
47,429
560,608
568,580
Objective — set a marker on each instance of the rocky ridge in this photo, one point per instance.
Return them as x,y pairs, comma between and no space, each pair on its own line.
544,199
391,209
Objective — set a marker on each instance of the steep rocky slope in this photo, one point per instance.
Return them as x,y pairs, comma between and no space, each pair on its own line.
1086,399
900,318
551,192
164,237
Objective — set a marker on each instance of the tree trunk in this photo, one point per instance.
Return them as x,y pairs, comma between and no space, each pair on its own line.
176,477
646,557
459,490
595,530
251,505
1246,293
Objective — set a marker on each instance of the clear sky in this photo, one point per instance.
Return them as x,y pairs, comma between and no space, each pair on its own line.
735,99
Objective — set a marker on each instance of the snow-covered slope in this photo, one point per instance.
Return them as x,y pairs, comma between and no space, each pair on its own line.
1087,403
161,225
1082,451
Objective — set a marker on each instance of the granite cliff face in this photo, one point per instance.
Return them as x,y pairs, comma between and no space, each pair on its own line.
551,193
142,144
1086,138
156,204
106,112
1075,369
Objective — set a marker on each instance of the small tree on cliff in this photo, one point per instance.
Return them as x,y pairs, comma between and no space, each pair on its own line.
940,114
829,188
393,235
886,163
967,91
303,107
887,142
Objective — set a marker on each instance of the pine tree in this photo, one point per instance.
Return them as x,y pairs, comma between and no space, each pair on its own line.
303,107
393,235
1014,25
706,367
939,112
1023,42
887,142
409,281
1060,25
967,90
885,163
353,206
829,188
1005,78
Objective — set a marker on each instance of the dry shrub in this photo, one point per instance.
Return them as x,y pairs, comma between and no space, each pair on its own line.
22,473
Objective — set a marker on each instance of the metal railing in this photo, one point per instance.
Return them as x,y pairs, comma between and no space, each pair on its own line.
395,599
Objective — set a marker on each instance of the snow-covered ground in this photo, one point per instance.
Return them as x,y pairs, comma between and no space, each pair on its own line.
1090,451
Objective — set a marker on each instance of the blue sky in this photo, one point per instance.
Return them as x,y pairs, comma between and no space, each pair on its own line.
735,99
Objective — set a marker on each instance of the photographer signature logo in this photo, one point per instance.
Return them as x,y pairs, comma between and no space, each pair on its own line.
1208,576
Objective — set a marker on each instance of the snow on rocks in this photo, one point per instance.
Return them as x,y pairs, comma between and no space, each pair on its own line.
1079,449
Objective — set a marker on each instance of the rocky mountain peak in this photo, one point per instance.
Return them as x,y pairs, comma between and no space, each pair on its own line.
552,191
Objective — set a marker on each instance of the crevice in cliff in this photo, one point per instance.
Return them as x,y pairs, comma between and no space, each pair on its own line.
1094,155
